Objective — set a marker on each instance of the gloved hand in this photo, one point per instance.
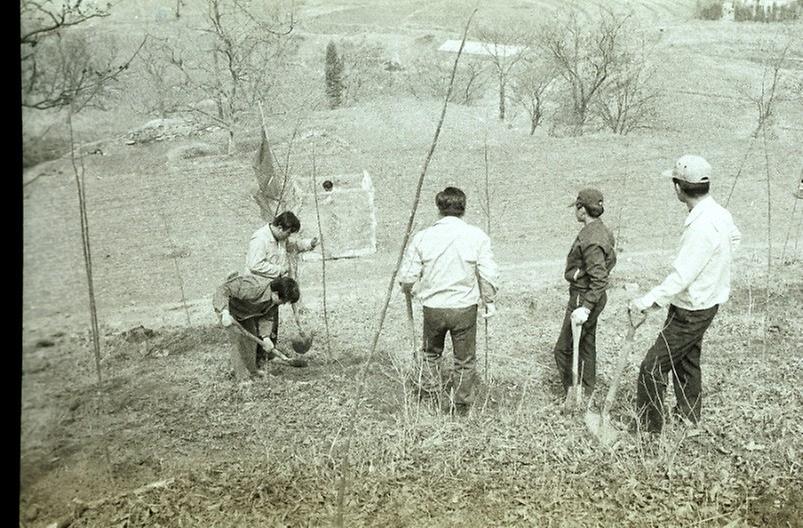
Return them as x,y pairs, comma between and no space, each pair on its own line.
490,310
226,319
313,243
580,315
639,305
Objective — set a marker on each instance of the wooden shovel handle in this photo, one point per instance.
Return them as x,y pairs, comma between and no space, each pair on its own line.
260,342
408,297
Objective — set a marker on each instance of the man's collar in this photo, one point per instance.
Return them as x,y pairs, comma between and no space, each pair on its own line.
699,209
449,220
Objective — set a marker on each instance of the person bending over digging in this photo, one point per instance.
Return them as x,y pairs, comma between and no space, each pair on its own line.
453,263
588,265
272,253
251,300
698,284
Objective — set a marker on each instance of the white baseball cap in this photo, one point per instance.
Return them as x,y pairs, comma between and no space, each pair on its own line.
691,169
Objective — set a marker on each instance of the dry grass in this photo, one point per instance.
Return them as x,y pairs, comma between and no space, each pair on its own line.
268,453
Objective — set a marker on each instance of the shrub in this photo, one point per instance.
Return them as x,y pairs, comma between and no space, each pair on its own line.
708,10
429,77
334,76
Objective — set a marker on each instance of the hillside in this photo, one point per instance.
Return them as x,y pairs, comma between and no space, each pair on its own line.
169,219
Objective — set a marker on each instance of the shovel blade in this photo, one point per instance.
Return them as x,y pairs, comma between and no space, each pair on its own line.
600,426
574,397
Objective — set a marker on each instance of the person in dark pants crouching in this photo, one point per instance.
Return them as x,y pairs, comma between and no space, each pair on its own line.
588,265
698,284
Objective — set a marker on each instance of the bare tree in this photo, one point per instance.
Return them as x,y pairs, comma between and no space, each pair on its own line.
165,86
586,53
505,50
234,59
628,100
530,86
59,65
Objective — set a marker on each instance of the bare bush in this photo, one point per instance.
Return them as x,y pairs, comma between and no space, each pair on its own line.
363,66
429,77
628,101
586,54
708,9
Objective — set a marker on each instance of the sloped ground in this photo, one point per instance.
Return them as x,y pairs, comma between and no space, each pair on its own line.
220,454
269,454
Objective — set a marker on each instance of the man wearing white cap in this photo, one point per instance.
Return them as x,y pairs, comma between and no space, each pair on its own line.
692,292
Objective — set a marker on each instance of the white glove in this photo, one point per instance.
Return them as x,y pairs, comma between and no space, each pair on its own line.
226,318
639,305
490,311
580,315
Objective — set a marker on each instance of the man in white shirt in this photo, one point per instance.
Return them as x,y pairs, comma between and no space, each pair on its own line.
698,284
453,263
271,254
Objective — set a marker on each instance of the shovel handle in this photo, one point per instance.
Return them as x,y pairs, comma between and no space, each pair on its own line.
264,344
621,364
408,298
577,330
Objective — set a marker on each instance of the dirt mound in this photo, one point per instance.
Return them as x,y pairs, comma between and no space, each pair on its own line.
164,129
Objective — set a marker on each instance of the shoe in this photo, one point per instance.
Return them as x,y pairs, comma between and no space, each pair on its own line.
461,409
636,428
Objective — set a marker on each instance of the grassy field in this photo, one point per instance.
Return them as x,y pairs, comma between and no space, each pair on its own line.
166,230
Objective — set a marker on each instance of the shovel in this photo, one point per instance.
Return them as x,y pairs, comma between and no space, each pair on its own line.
267,345
600,424
408,297
574,396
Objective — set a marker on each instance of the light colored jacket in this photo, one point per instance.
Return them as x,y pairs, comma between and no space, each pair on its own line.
453,262
701,271
268,257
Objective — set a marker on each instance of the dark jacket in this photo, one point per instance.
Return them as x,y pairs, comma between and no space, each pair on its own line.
245,296
590,261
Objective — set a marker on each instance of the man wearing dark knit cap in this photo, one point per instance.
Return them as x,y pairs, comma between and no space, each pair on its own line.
588,265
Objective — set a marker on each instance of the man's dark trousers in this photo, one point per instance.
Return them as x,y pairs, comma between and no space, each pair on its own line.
461,324
588,343
676,350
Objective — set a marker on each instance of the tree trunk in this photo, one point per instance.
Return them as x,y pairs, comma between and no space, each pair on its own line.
230,143
501,100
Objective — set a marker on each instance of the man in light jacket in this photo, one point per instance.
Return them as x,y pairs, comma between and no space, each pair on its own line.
692,293
453,263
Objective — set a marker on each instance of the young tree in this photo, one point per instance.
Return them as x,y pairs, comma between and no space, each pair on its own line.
530,85
334,76
587,54
770,90
505,49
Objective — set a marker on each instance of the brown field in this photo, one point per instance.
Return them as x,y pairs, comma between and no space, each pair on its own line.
165,231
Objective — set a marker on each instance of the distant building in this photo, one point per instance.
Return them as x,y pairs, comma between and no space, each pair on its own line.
473,47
